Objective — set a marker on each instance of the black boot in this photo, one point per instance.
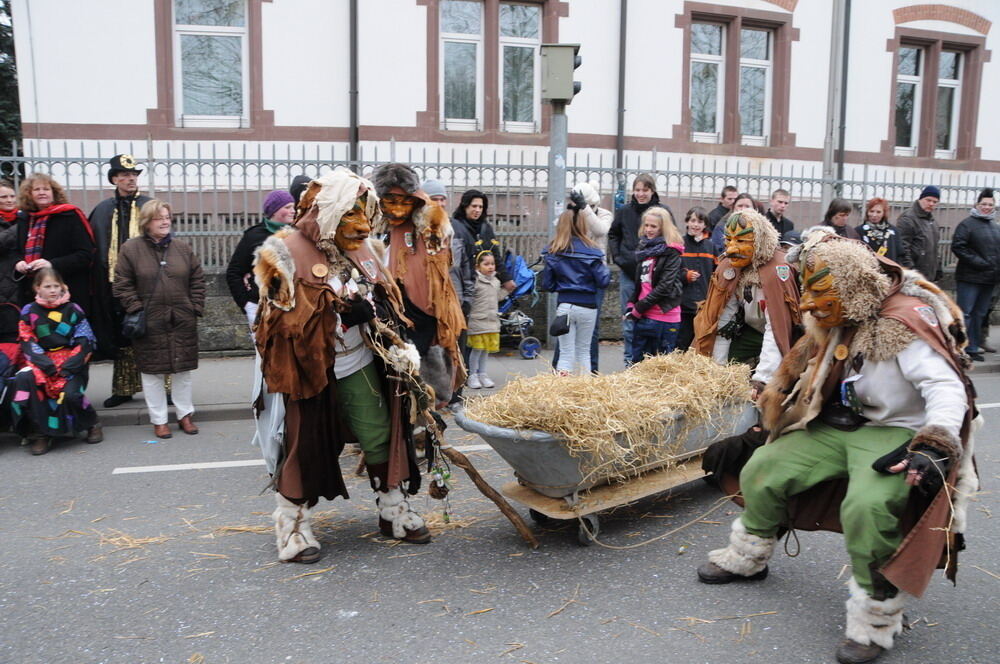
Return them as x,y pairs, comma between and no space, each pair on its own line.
852,652
117,400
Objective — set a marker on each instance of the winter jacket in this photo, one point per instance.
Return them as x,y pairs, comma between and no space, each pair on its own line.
598,224
666,282
174,299
484,317
919,237
576,275
976,243
698,256
70,248
10,290
718,213
623,236
843,231
477,236
892,245
240,266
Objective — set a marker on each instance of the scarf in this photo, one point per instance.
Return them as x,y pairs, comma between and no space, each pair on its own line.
38,226
979,215
123,204
650,248
9,216
61,300
274,226
162,243
877,234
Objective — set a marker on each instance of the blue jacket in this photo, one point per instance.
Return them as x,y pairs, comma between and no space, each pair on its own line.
576,275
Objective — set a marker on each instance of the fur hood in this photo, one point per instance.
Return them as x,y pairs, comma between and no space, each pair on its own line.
432,222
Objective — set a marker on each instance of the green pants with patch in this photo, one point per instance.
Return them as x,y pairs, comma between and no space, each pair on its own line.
366,412
800,460
746,346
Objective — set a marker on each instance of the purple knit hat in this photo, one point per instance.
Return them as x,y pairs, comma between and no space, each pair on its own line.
275,201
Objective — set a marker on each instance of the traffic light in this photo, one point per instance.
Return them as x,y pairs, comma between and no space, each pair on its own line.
558,63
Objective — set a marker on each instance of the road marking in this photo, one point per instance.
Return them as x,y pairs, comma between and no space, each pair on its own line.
984,406
204,465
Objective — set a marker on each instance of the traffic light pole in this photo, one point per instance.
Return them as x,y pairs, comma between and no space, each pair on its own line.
558,145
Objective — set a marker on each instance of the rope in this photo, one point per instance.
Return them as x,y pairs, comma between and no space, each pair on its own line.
715,507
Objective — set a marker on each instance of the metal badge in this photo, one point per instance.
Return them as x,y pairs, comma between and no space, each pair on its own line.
320,270
730,273
840,352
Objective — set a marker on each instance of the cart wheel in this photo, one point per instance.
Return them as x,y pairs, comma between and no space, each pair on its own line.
538,517
529,347
588,530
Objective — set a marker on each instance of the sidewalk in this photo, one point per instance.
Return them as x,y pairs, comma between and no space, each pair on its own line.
222,385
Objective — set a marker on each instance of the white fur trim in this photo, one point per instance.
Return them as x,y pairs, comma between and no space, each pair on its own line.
394,508
292,528
967,484
746,554
873,621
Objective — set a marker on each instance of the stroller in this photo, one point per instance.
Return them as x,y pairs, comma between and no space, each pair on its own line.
515,325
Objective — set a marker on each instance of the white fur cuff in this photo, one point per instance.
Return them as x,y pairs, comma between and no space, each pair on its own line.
292,528
873,621
746,554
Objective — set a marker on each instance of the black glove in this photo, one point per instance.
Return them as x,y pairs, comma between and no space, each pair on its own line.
930,466
466,309
360,311
577,201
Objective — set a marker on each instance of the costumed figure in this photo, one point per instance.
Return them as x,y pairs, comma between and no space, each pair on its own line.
115,221
751,313
871,434
419,259
48,392
327,334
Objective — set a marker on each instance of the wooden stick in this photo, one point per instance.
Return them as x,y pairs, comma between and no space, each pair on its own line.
463,462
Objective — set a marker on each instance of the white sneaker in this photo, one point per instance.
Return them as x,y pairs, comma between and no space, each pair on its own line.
473,382
485,381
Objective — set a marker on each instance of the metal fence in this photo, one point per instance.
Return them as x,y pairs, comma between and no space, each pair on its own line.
216,191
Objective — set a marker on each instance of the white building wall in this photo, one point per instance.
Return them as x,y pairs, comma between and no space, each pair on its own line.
306,62
810,74
393,65
75,68
594,25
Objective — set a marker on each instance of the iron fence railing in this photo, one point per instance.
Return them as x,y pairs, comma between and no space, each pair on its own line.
216,190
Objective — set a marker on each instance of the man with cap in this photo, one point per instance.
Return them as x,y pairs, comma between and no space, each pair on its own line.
115,220
919,235
420,260
871,422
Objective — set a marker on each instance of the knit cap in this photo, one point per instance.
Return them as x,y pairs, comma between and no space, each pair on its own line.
275,201
930,190
433,188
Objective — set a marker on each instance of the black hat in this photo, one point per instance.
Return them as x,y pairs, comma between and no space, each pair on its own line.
122,163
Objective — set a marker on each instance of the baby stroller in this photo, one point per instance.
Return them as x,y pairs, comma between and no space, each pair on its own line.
515,325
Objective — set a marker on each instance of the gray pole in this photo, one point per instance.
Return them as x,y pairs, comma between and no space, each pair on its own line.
833,107
558,140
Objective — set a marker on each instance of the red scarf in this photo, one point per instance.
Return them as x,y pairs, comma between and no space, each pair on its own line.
39,224
9,216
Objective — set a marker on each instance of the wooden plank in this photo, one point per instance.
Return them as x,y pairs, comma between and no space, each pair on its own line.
607,496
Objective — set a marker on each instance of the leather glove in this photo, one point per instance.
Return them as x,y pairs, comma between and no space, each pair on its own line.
577,200
359,311
926,468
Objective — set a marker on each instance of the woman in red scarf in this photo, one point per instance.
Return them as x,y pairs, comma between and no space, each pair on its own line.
56,235
10,253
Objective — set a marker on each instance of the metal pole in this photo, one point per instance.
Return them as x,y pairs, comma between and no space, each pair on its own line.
833,101
355,134
558,140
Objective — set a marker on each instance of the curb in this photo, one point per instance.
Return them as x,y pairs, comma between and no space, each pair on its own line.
136,415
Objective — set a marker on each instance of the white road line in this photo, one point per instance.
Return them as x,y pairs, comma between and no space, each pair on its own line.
204,465
984,406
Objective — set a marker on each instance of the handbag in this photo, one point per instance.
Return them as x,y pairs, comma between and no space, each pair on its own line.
559,326
134,324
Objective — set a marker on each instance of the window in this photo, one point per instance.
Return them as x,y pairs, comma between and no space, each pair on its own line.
461,72
708,70
511,63
755,85
520,37
949,91
707,75
210,63
908,96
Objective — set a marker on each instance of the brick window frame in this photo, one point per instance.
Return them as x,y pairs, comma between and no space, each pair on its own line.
974,54
733,19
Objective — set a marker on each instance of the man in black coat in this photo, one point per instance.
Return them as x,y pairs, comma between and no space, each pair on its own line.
725,206
776,213
623,237
976,243
115,220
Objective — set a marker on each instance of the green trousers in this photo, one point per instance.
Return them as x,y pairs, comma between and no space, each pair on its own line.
366,412
746,347
802,459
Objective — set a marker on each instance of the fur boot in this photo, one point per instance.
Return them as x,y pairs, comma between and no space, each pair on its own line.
396,518
746,554
293,532
873,622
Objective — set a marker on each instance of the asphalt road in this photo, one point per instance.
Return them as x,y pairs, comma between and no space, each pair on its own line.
179,566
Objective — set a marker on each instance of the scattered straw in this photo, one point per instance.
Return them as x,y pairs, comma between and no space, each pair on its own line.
122,541
621,422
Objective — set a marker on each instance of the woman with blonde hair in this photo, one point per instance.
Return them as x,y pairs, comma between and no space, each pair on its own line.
159,275
656,300
575,270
